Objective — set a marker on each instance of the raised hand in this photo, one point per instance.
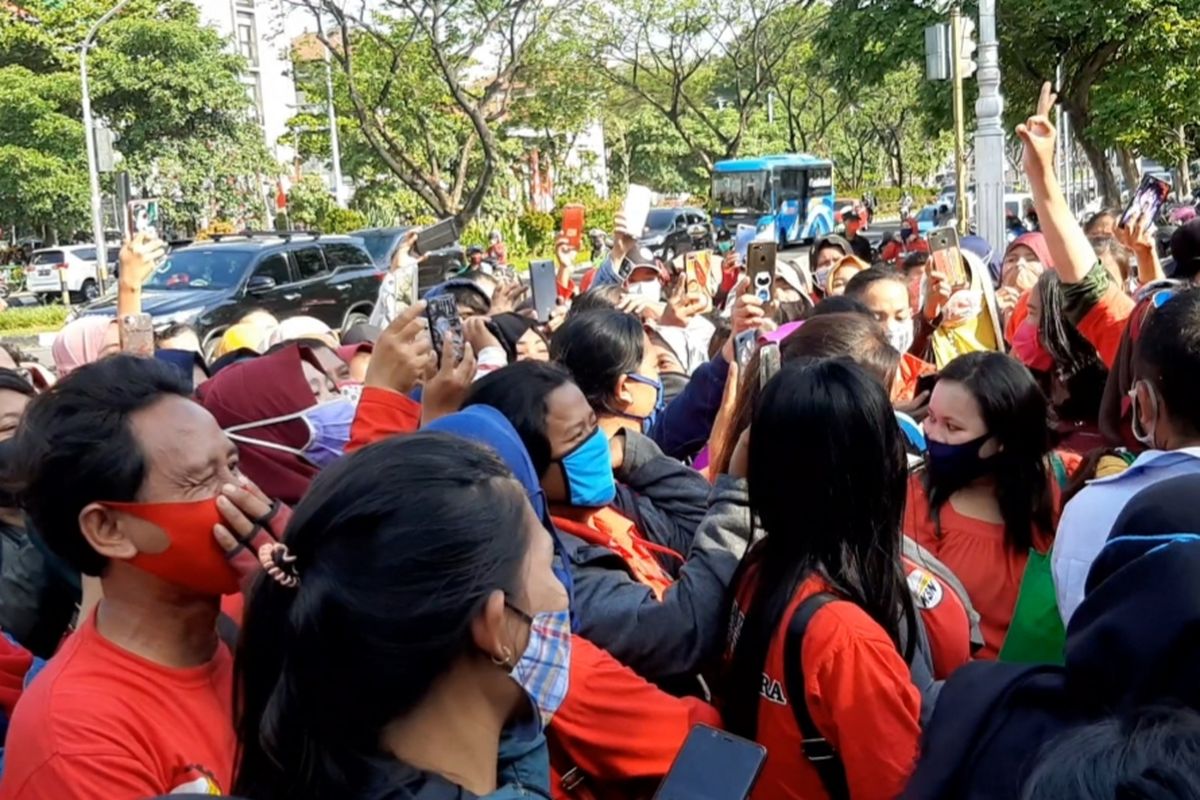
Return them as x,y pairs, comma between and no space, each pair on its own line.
444,392
138,258
402,353
1038,135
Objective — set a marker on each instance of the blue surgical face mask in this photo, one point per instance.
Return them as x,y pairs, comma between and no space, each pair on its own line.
588,472
328,431
659,403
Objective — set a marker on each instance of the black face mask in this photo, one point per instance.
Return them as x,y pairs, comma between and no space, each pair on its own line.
673,385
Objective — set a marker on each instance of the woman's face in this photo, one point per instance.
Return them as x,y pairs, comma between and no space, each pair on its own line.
569,420
828,256
888,301
532,347
640,398
1035,308
12,408
955,417
841,276
322,385
1021,268
784,293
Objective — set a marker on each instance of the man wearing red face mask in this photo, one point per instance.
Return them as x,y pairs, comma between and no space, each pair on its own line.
123,475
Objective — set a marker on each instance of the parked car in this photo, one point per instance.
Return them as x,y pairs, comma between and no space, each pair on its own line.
436,267
74,264
211,285
671,231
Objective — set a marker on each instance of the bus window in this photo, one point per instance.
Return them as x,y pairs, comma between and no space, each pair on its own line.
791,183
740,190
820,182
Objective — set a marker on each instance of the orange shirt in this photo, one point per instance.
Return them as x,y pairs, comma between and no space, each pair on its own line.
908,372
1105,322
609,528
978,554
100,721
859,693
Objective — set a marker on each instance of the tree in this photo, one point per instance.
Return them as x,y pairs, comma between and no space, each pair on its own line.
430,81
161,81
703,65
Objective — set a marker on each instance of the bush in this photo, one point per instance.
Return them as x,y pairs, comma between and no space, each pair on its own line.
33,318
343,220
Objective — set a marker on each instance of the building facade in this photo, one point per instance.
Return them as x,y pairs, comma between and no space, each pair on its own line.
256,30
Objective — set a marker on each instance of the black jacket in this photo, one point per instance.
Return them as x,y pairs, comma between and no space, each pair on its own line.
1134,641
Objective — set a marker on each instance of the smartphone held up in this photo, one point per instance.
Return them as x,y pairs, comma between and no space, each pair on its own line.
1146,202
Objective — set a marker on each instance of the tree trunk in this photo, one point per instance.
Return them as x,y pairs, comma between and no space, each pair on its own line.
1106,182
1129,168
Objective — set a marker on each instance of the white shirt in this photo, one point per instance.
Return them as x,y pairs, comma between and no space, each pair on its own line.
395,295
1087,520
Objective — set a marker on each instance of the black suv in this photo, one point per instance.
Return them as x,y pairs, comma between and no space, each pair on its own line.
672,231
211,285
435,268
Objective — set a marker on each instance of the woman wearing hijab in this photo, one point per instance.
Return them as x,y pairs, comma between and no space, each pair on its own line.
1024,262
649,576
520,338
83,341
286,416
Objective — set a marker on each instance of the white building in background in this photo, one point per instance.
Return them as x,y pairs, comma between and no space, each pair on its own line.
256,30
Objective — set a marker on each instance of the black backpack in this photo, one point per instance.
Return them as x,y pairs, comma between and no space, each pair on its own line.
817,749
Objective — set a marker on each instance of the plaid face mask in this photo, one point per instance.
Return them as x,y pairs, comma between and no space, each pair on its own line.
543,670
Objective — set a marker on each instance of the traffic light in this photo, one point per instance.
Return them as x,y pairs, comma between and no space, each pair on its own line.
966,47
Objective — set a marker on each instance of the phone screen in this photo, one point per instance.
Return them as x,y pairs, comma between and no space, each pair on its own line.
573,225
636,209
442,313
947,256
743,347
1151,194
760,266
713,765
545,289
438,235
768,363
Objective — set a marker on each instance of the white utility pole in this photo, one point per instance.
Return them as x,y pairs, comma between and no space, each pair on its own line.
989,134
334,144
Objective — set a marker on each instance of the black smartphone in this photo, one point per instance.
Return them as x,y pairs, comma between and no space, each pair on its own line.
760,266
925,383
438,235
442,314
713,765
946,255
743,346
1146,201
544,283
768,363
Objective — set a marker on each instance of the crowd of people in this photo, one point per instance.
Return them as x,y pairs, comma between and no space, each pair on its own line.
917,535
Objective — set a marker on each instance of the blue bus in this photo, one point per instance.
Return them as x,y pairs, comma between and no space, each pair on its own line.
794,191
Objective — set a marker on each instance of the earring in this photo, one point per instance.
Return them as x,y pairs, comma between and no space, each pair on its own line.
504,662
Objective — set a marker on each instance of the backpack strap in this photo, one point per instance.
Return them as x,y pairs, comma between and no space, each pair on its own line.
817,750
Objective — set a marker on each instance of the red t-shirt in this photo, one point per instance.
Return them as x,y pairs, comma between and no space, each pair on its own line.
101,722
977,552
858,691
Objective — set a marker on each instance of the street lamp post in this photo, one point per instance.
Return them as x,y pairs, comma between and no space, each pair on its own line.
89,133
989,134
334,144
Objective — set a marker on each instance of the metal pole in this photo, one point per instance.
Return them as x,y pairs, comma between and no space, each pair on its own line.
89,133
334,144
990,159
960,145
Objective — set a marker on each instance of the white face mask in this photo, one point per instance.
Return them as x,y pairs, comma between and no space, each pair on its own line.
651,290
900,334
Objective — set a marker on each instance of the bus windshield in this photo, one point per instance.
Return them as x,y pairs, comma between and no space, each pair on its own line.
741,190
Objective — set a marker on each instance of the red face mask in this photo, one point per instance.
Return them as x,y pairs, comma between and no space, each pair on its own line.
193,559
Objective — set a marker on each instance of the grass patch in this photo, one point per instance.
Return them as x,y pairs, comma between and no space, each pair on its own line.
32,320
